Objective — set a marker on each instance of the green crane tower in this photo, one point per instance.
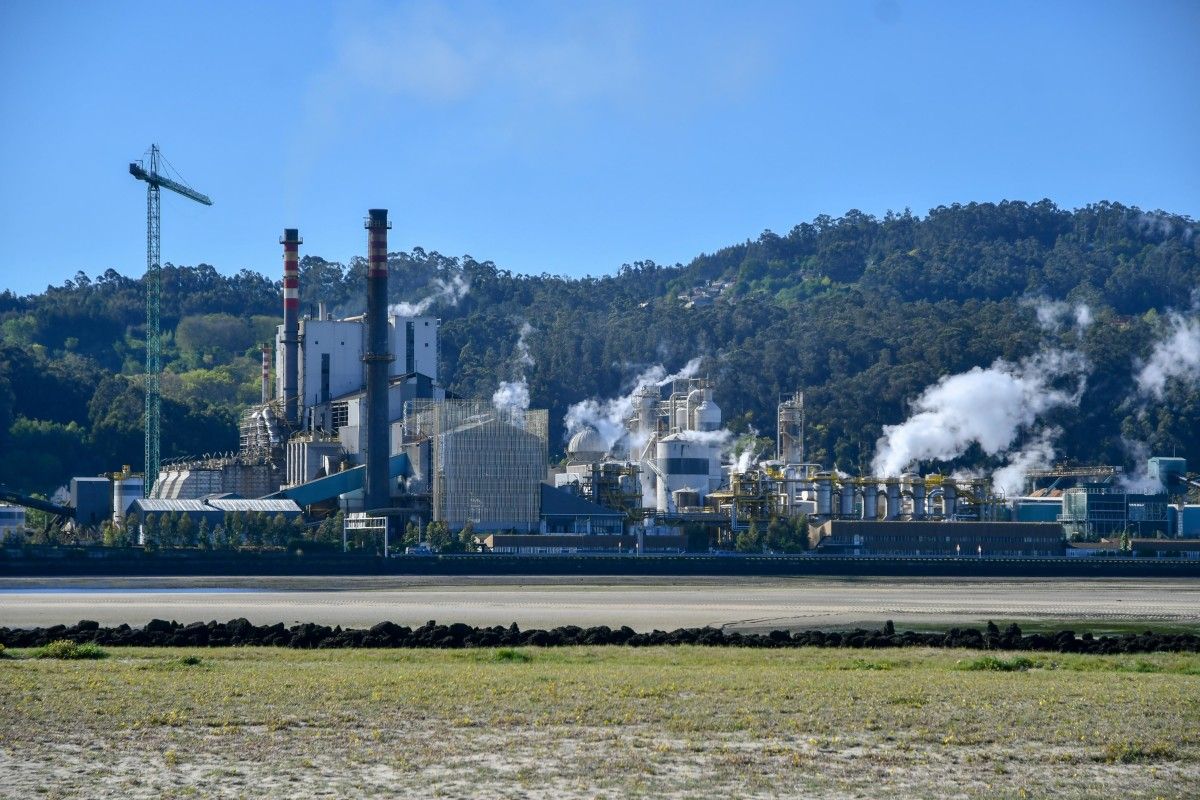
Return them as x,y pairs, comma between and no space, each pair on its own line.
154,180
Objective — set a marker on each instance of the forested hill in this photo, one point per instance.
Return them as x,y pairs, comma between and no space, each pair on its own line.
861,313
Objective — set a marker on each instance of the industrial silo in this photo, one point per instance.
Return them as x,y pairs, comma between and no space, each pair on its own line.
682,464
127,487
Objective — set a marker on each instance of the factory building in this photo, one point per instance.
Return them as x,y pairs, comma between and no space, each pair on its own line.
213,509
12,522
960,539
480,465
1092,503
330,355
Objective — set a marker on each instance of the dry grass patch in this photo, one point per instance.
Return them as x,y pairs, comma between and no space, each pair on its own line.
600,722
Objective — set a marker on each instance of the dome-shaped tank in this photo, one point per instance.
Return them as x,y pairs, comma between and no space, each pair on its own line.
586,445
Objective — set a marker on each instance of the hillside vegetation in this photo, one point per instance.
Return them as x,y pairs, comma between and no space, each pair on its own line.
859,312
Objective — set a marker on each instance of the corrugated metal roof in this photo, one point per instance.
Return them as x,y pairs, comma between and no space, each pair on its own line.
157,506
276,506
153,504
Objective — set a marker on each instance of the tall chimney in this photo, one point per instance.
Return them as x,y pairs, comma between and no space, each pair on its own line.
291,324
376,358
266,374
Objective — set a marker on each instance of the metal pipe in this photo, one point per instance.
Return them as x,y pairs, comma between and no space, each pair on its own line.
375,361
870,501
266,374
847,499
918,493
291,324
893,500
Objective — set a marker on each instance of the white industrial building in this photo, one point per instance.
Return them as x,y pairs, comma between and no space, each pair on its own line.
331,350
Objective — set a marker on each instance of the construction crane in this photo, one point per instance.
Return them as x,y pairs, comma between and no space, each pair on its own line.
150,173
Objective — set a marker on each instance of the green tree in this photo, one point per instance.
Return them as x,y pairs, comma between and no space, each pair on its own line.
278,531
750,540
203,535
151,532
185,531
437,534
466,539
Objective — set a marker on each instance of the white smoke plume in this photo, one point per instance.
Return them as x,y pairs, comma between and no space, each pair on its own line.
446,293
1175,356
745,452
514,394
1138,481
608,416
719,438
1038,453
1054,315
990,407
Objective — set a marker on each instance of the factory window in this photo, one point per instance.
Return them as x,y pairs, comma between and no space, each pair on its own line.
409,345
339,415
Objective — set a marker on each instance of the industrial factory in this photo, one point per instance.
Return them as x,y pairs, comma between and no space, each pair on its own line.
355,422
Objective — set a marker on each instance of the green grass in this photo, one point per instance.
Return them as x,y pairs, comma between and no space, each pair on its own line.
66,650
602,721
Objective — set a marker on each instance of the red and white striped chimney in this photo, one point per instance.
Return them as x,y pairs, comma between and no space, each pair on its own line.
291,324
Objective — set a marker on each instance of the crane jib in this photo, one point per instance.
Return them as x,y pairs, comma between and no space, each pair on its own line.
155,179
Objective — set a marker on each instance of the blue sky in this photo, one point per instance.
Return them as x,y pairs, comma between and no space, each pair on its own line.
570,137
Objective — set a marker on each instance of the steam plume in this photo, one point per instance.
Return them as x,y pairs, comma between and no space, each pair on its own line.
990,407
608,416
447,293
514,394
1175,356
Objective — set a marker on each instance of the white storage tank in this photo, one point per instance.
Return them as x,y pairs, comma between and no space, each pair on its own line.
707,413
126,489
684,464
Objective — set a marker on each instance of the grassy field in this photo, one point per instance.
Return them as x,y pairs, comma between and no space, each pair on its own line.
599,722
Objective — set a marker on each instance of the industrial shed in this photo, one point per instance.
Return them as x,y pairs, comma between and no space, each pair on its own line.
885,538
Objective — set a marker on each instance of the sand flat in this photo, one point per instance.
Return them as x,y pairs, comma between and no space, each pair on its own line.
641,603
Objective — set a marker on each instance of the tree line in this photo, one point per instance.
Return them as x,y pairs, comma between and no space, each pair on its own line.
859,312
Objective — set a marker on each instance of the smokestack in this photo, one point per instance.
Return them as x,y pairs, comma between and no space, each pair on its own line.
266,374
291,324
375,360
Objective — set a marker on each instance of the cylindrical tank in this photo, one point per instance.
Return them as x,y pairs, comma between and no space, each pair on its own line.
682,420
870,501
893,500
949,499
708,413
918,495
126,489
684,465
824,483
847,499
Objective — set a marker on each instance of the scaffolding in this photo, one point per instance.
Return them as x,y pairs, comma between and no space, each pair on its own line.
488,464
616,485
789,433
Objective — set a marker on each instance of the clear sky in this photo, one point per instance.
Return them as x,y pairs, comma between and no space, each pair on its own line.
570,137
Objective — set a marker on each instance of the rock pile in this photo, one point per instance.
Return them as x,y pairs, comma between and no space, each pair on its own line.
160,633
